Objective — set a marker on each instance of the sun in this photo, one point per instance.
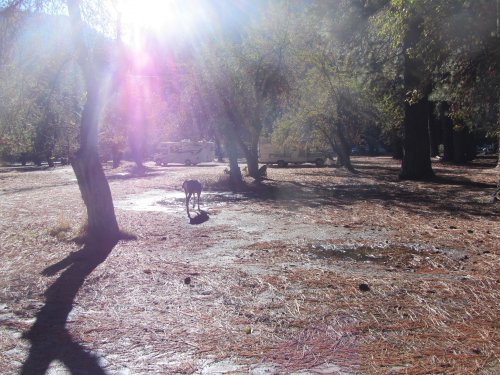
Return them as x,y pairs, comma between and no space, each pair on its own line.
160,17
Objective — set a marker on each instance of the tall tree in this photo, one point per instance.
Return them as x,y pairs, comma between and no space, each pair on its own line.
466,51
94,62
241,81
416,162
329,103
93,184
447,55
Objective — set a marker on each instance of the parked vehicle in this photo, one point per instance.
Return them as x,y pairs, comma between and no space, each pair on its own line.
185,152
282,156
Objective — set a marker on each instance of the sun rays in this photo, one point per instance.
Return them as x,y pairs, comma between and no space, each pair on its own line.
163,19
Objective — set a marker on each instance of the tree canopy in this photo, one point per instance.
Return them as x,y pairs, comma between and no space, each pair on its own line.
341,74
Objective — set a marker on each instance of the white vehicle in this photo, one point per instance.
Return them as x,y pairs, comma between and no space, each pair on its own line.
185,152
271,154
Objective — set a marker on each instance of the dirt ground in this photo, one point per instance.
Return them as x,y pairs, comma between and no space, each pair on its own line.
317,271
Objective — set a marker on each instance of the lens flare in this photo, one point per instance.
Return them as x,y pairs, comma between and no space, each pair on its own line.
163,18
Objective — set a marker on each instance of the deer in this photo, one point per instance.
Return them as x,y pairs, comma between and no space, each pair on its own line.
192,188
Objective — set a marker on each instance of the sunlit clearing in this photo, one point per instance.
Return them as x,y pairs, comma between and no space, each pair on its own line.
159,17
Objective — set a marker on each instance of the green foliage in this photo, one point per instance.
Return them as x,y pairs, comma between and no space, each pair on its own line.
41,93
458,50
322,72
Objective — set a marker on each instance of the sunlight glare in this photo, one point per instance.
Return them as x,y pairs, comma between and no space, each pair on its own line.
160,17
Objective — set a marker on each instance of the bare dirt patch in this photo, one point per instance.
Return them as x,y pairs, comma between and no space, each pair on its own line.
316,271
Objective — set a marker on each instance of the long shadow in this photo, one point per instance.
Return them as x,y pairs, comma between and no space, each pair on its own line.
34,188
461,181
50,340
25,168
340,195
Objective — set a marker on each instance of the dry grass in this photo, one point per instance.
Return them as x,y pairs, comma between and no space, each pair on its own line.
270,283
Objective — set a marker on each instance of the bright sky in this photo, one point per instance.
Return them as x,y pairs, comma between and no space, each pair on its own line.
161,17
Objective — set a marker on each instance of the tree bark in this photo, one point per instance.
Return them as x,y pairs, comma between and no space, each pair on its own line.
96,194
94,187
434,131
233,134
396,145
338,142
117,156
251,154
416,164
344,151
253,166
234,168
460,145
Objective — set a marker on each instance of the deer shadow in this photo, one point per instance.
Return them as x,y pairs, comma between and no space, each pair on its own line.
199,218
50,340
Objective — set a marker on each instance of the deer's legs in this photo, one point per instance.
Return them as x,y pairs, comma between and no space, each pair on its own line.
188,197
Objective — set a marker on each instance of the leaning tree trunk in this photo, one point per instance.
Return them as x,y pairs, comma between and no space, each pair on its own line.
94,187
92,182
96,194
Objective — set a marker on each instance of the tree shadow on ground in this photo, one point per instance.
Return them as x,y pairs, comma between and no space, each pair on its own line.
441,195
449,192
50,340
25,168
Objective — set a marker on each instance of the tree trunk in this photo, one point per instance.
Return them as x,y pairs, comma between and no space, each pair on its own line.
416,163
137,146
252,150
218,150
339,145
117,155
233,135
251,154
50,159
460,145
434,132
253,166
234,168
343,156
96,194
343,150
396,146
92,182
447,131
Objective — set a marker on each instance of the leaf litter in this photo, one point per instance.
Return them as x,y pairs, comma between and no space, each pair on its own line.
316,271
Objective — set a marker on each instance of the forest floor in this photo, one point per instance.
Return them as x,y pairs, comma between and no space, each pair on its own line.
316,271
